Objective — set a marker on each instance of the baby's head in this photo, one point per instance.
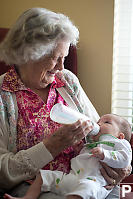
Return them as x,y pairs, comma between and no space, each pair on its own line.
114,125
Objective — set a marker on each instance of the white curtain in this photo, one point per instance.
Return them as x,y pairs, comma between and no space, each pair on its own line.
122,75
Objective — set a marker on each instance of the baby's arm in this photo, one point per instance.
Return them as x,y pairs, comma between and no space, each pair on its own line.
120,157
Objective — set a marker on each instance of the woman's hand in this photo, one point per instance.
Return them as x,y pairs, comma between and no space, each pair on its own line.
114,175
77,147
67,135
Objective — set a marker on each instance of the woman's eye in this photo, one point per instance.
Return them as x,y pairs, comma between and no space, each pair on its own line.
107,122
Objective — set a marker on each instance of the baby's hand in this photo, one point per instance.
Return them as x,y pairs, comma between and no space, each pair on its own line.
98,152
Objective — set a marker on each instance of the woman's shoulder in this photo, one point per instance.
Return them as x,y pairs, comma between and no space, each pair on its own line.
1,80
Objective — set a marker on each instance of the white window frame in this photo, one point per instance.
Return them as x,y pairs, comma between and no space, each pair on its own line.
122,73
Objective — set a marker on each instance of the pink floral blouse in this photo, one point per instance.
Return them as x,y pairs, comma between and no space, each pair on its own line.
34,123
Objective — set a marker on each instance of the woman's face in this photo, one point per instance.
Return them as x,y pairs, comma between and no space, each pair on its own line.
40,74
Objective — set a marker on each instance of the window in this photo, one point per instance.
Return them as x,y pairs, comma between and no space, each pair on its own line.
122,74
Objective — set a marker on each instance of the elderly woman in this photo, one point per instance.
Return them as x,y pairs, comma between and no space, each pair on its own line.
36,47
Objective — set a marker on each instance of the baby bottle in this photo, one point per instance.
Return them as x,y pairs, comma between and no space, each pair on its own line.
65,115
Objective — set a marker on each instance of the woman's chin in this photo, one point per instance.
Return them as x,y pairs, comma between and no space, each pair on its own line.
46,83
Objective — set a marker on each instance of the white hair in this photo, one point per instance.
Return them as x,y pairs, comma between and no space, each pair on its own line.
35,34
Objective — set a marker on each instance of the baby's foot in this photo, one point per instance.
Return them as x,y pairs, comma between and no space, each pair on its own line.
6,196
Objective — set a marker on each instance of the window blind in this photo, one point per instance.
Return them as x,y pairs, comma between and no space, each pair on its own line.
122,73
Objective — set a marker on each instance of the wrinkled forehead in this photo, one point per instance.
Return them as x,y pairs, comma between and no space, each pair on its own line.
62,48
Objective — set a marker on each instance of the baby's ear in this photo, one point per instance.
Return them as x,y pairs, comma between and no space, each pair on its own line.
121,136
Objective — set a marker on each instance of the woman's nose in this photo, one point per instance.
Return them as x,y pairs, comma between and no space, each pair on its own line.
60,64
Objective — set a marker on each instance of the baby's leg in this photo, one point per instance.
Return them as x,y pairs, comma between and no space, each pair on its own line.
73,197
6,196
33,191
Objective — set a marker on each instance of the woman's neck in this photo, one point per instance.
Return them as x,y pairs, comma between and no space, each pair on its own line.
23,74
42,93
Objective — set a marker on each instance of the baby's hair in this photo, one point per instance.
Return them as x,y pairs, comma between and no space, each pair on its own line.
125,128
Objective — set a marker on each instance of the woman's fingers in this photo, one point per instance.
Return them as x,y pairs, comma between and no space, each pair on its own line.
110,171
70,134
106,177
82,127
113,176
79,130
110,175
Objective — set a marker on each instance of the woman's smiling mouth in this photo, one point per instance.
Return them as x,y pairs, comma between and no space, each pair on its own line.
50,73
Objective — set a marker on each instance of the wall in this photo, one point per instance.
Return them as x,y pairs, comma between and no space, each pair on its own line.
94,18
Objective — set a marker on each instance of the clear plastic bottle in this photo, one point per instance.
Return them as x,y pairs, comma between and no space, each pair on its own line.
95,130
65,115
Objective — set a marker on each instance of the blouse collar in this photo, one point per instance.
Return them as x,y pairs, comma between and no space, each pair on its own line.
13,83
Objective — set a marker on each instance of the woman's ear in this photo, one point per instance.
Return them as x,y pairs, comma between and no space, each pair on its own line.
121,136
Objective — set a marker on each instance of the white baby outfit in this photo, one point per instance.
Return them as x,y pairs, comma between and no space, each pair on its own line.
85,179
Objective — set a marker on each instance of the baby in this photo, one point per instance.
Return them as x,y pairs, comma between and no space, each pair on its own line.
111,145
